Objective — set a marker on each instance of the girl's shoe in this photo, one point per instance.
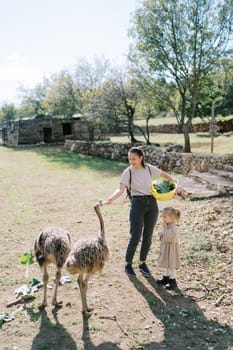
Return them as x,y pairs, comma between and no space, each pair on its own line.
163,281
171,284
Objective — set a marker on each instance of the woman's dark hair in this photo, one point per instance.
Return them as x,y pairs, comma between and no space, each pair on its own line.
139,152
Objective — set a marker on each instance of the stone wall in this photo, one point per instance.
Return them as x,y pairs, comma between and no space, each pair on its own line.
168,161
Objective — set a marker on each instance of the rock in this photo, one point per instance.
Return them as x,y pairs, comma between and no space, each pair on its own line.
175,148
217,209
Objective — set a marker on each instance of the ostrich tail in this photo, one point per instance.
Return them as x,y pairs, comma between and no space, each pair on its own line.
98,213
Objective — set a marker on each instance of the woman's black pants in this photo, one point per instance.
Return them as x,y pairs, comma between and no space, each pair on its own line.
143,217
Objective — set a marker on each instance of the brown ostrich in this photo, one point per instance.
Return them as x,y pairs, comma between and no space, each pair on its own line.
87,257
52,246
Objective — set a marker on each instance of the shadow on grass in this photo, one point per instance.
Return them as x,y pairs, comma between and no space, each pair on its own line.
57,154
88,344
51,335
185,325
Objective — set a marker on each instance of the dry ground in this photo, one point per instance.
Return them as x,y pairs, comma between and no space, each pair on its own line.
46,187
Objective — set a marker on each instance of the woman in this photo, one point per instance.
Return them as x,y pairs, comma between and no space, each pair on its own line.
144,209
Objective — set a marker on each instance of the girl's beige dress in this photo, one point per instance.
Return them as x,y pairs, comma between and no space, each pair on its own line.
169,256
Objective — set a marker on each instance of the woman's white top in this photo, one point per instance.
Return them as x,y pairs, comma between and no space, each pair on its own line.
141,179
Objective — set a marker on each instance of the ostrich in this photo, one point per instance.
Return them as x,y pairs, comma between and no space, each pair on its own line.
87,257
52,246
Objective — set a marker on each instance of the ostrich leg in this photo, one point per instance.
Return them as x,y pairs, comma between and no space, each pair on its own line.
57,280
45,281
82,282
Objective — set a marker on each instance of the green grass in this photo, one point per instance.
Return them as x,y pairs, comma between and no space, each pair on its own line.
200,143
172,120
58,156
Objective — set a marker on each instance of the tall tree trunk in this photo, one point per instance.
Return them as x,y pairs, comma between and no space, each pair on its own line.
131,134
147,127
185,125
143,134
130,125
187,146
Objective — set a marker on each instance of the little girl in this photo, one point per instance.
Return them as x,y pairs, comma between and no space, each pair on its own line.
169,257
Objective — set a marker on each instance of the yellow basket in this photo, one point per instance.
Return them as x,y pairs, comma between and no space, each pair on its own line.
163,196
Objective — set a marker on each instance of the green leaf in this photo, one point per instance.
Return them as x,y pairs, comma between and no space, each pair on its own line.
35,282
27,259
164,186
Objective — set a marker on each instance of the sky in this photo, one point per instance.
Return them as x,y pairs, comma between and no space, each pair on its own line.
41,37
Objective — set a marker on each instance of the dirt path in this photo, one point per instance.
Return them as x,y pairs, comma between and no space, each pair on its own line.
45,187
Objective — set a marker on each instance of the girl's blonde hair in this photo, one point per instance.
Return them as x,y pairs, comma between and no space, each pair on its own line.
173,211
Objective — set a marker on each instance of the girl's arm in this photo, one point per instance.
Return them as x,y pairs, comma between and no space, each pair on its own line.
116,194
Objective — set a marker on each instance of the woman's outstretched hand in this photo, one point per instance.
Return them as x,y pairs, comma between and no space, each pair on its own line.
108,201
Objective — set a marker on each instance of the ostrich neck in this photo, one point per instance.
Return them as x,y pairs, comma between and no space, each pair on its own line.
98,213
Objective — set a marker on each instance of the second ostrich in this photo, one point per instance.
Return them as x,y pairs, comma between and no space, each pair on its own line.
52,247
87,257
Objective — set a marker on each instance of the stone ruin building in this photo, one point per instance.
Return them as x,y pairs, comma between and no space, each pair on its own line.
38,129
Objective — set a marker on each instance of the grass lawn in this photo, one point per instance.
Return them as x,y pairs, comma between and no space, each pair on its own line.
48,186
200,143
172,120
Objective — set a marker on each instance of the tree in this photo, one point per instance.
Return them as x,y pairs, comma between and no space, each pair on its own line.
114,101
8,112
155,96
111,106
217,88
90,76
123,97
127,91
181,41
225,74
107,94
32,102
64,96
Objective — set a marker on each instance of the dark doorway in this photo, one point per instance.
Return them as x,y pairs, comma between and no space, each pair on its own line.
47,135
67,129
